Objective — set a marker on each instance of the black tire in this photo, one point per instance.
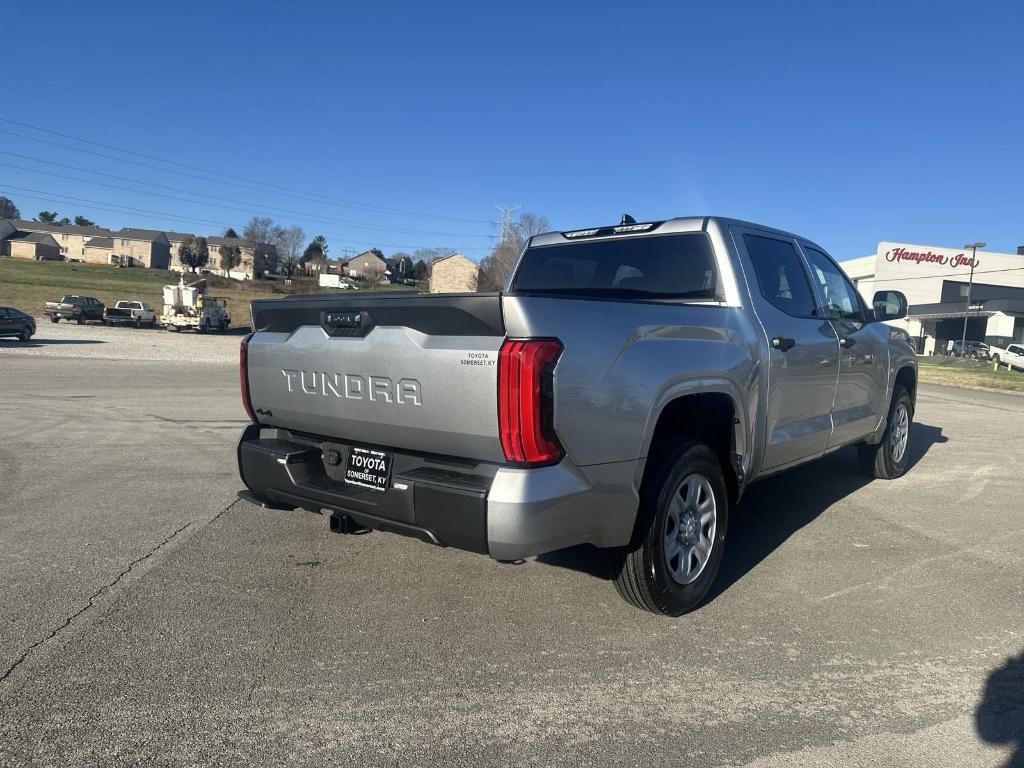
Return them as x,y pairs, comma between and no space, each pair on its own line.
80,321
645,577
54,319
138,322
884,461
26,333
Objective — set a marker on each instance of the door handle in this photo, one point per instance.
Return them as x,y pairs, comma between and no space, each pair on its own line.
846,341
783,343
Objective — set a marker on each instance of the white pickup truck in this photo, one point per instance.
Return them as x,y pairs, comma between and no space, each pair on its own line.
1012,355
137,313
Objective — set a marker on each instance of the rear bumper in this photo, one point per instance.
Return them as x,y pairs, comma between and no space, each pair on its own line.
499,511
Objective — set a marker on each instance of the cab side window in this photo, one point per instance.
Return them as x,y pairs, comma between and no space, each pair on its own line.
780,275
841,301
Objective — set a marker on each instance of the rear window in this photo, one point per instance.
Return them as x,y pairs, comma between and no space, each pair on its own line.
659,267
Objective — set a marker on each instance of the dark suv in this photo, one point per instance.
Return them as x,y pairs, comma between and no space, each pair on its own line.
976,349
14,322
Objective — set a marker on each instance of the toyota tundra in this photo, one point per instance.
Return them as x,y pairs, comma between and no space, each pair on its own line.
625,388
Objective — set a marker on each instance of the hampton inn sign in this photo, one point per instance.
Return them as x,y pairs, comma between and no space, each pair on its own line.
904,254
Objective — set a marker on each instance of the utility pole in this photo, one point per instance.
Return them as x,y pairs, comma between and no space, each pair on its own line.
970,284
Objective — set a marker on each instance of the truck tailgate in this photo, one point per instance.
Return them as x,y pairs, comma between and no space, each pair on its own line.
404,371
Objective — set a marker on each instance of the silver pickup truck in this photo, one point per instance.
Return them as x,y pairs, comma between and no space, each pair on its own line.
623,390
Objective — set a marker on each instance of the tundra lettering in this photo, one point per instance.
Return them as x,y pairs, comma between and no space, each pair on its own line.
623,391
354,387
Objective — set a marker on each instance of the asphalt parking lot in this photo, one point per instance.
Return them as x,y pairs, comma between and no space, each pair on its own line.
147,617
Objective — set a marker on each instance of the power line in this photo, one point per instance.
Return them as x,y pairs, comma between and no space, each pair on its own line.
162,120
304,197
49,197
249,206
231,177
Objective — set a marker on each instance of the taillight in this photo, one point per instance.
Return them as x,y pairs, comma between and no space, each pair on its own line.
526,400
243,376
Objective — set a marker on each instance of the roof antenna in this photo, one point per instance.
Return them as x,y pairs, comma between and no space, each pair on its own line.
627,219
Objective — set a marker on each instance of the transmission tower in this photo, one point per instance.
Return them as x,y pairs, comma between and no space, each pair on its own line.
506,220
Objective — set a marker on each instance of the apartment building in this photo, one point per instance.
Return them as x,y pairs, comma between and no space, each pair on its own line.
453,274
70,238
254,256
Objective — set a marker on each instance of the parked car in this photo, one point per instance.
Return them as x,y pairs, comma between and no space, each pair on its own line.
978,350
1012,355
14,322
77,308
623,391
137,313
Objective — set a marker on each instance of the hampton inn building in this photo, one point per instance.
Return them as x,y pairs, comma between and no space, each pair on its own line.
935,281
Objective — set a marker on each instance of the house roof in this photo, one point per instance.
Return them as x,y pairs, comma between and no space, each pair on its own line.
241,242
365,253
32,237
100,242
178,236
452,255
134,233
45,226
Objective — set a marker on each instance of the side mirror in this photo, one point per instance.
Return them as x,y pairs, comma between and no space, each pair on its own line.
889,305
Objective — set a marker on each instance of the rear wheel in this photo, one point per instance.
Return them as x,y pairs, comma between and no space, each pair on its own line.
995,359
54,319
80,320
888,459
680,536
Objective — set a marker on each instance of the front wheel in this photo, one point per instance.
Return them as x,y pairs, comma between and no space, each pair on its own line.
54,319
80,320
26,333
888,459
680,535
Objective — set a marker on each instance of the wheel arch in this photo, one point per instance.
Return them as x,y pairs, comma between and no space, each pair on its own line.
906,377
710,410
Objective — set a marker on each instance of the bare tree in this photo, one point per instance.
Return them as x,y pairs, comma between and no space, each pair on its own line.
289,242
260,229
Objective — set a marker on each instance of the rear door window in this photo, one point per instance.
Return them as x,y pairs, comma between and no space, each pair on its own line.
841,301
781,276
678,266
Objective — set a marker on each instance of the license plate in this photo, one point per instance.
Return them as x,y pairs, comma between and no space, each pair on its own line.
368,469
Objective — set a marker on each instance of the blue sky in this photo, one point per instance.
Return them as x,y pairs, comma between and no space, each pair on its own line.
403,124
